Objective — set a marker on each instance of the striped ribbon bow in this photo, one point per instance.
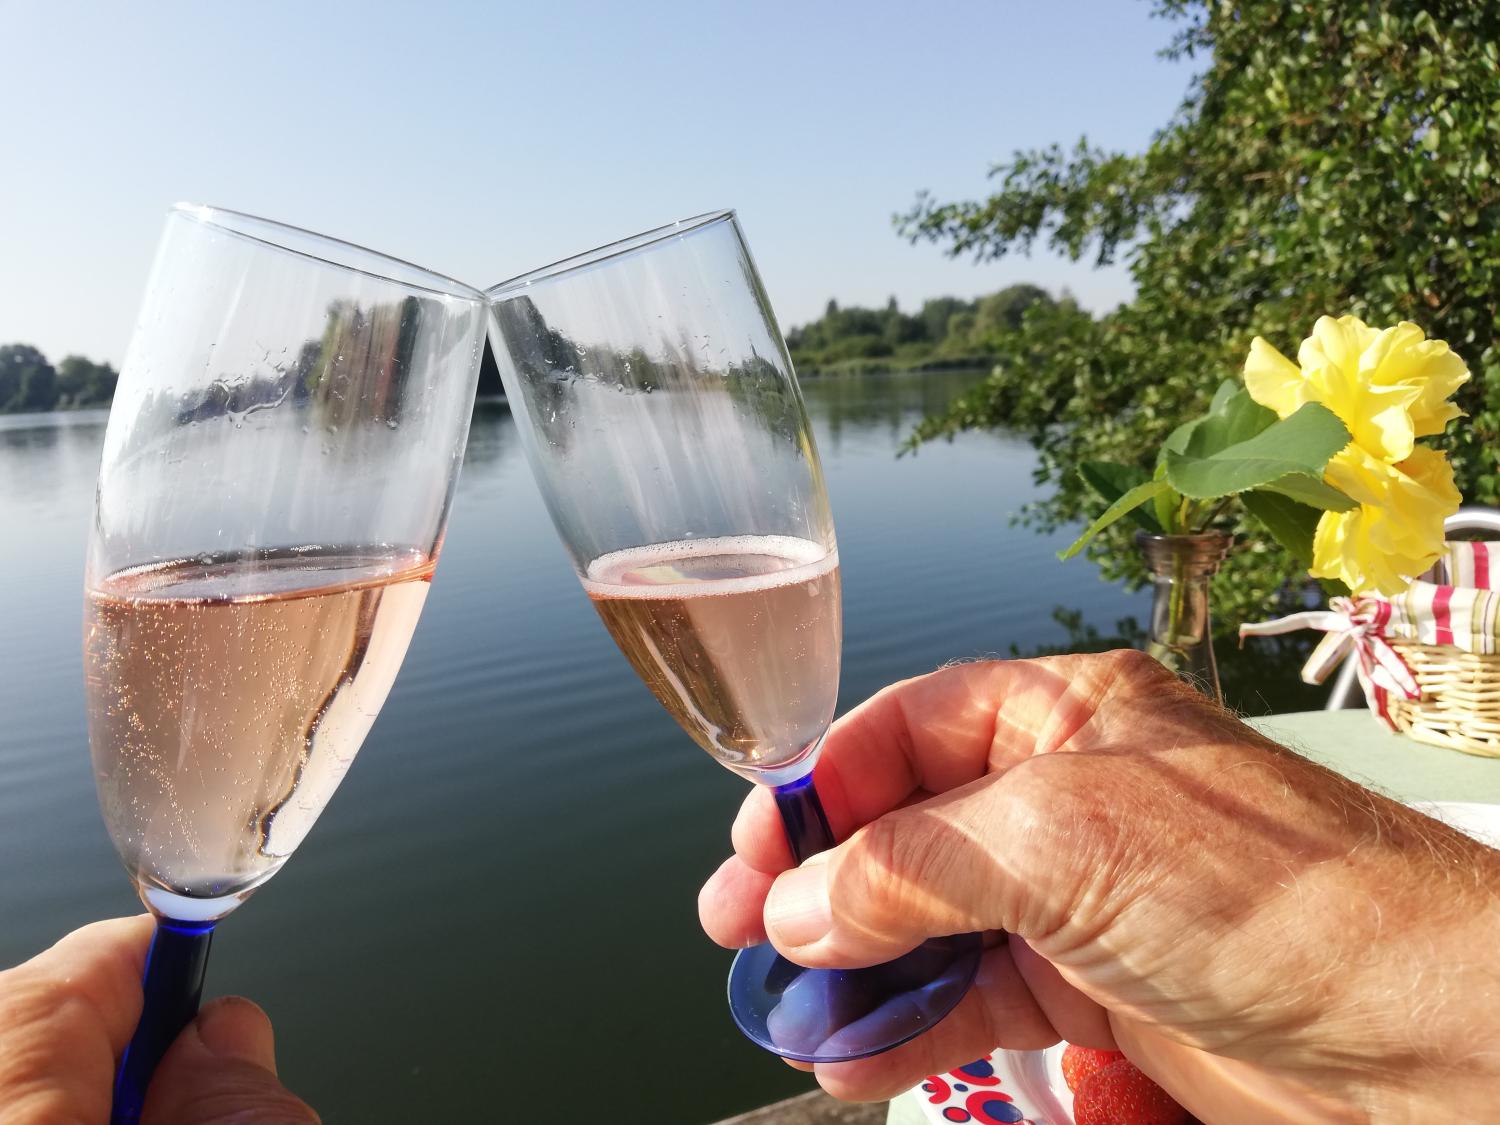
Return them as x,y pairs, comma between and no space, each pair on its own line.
1353,625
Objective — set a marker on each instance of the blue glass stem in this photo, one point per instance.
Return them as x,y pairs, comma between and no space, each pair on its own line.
173,985
803,818
834,1015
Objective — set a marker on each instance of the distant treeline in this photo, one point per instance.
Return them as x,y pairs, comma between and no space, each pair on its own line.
944,332
29,382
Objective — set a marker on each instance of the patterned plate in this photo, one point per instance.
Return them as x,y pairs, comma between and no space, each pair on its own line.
1014,1087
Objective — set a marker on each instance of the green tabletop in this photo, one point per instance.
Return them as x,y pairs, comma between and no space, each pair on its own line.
1359,746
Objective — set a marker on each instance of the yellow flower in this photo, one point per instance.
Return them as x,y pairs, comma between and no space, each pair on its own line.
1404,356
1396,532
1389,387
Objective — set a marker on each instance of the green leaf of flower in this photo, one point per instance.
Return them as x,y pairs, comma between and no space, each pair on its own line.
1177,440
1299,444
1121,507
1233,418
1112,480
1312,491
1291,524
1167,504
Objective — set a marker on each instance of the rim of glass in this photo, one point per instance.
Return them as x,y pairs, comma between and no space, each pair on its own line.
612,250
325,249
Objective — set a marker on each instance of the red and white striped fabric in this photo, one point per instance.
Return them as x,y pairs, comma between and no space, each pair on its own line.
1455,603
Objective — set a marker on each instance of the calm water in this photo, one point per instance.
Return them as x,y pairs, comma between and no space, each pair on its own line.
495,919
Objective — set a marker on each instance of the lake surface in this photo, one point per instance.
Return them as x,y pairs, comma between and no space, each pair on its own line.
495,918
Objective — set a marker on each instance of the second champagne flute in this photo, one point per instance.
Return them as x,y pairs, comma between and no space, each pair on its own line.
281,454
662,419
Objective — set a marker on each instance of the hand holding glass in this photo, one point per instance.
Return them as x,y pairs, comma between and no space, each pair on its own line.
280,457
665,427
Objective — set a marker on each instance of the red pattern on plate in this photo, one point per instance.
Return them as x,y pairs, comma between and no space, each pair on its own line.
973,1093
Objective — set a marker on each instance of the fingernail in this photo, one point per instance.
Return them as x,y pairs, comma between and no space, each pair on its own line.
797,910
235,1028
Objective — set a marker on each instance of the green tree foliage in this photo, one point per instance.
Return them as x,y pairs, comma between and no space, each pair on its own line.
29,382
1001,313
1330,157
82,382
936,314
946,332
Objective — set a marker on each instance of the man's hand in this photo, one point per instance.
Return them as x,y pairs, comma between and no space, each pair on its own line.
1266,939
67,1014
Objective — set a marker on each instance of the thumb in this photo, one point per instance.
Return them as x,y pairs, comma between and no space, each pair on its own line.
923,871
222,1068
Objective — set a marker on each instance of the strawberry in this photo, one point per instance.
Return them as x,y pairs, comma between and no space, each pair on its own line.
1120,1094
1079,1062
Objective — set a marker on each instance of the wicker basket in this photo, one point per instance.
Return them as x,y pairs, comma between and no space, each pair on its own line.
1460,704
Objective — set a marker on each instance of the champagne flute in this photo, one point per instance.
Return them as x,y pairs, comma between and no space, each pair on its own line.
664,425
277,471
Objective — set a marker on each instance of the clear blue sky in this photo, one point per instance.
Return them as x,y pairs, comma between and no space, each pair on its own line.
482,139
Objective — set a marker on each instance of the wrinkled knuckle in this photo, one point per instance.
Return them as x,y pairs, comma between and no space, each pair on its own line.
1135,687
866,877
890,876
1130,667
44,997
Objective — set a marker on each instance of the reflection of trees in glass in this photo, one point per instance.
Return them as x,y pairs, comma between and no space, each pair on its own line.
554,367
363,361
355,372
544,360
761,388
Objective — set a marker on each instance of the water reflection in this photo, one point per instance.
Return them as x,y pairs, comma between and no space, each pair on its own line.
43,457
882,405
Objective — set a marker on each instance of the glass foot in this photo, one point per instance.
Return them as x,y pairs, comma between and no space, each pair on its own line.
834,1015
